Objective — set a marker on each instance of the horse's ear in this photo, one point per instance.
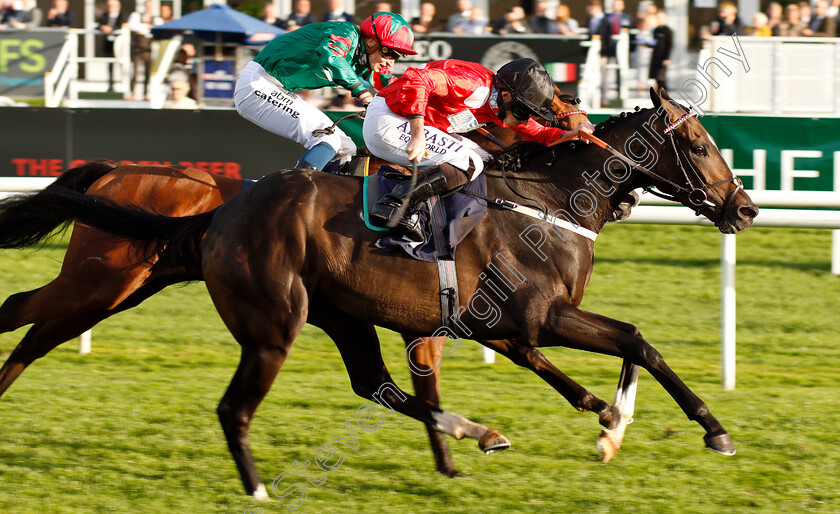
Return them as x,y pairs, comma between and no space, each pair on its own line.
655,98
664,95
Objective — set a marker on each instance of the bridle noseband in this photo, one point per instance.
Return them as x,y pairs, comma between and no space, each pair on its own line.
697,196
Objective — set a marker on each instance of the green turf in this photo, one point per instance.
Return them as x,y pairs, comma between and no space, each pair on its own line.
132,426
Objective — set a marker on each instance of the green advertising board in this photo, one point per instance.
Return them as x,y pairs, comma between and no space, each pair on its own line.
768,152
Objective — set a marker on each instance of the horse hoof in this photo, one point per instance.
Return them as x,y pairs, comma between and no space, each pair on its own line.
493,442
605,417
720,443
260,494
606,447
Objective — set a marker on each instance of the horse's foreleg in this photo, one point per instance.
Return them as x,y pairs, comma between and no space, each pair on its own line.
427,387
622,412
579,397
571,327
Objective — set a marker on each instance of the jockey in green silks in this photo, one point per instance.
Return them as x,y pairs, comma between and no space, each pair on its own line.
332,54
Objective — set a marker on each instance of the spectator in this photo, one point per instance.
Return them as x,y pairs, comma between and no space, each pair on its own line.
383,7
791,27
180,96
140,24
166,12
460,19
595,15
759,26
478,23
804,13
337,13
21,14
663,38
728,22
270,16
821,24
834,9
564,24
513,22
109,22
427,21
647,17
774,16
59,15
540,23
611,26
301,16
182,68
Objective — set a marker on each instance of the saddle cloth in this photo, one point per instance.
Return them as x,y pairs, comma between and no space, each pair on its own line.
463,212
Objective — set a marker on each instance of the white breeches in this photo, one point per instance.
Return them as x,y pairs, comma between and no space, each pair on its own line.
387,135
261,99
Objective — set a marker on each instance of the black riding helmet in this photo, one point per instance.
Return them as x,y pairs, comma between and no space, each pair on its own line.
531,87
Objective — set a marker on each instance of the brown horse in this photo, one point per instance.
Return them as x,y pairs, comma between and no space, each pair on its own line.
108,275
291,250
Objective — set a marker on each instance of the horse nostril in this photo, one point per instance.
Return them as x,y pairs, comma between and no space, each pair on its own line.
748,212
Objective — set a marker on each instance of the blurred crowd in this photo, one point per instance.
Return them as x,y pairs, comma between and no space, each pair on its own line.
651,40
809,19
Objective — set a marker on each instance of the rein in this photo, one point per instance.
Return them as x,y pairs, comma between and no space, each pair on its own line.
696,195
486,133
329,130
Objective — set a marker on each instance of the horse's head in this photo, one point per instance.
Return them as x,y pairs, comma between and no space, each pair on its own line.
567,113
695,172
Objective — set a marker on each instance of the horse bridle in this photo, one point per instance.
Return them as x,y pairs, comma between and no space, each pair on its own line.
697,196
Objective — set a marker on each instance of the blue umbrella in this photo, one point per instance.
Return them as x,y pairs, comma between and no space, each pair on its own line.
220,23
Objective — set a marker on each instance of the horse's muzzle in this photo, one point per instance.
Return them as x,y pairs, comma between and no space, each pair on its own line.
739,214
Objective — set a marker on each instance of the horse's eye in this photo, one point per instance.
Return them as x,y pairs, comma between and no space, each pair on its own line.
700,151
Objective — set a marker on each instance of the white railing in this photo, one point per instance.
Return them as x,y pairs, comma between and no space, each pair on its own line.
652,210
157,88
596,77
63,78
785,75
66,68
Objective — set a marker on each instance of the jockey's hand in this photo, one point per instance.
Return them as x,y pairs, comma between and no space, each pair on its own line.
416,147
585,128
365,97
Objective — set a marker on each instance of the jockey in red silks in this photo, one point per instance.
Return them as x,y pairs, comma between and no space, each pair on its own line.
418,116
332,54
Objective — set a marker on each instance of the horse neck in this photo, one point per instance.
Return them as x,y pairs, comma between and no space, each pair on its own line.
576,178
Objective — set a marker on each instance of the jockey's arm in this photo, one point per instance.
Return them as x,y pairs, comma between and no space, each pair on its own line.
575,133
415,148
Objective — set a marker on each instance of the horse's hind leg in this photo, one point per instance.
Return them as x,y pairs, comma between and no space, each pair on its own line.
427,388
42,338
622,411
359,347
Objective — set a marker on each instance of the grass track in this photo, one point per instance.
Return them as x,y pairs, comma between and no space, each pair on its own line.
132,427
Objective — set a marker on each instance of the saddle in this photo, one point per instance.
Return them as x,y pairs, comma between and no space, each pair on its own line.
444,221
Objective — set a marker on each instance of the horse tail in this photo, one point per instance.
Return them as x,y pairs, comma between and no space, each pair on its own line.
82,177
176,240
24,229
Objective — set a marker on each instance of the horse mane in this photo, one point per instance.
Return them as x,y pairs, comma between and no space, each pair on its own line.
514,157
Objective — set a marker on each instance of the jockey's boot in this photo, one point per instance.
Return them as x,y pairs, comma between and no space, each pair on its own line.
622,212
303,165
429,183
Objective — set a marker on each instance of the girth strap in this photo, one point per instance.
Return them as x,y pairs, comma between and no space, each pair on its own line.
447,277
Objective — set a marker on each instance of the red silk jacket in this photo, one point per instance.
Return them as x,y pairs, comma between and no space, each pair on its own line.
446,92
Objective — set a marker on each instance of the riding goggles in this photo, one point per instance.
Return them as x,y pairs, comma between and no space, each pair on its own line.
390,53
519,111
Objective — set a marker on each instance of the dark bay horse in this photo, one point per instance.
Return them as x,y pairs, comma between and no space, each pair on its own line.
108,274
292,250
